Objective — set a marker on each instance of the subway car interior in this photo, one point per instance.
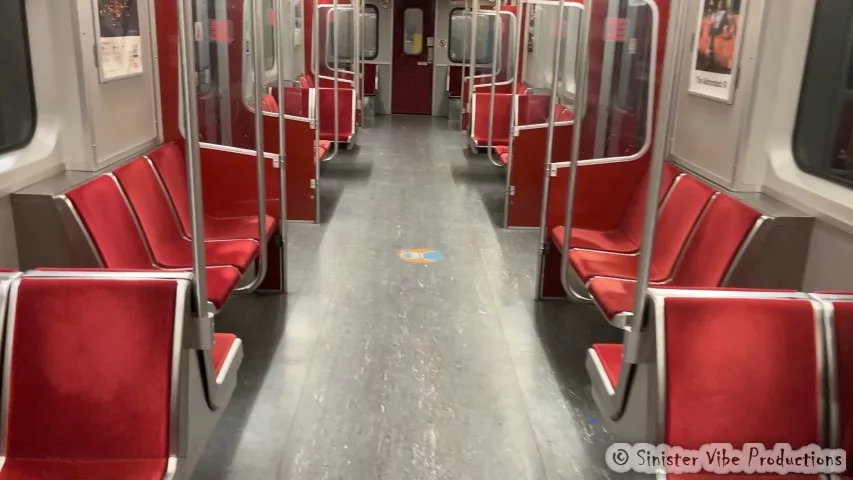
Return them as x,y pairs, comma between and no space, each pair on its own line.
426,239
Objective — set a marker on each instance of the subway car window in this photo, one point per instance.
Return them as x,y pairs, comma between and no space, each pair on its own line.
823,136
460,33
370,41
17,100
413,31
269,36
344,21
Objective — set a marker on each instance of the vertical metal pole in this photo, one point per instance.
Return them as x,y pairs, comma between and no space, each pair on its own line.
281,59
550,144
258,21
520,40
190,105
362,30
580,103
465,11
475,12
496,35
356,75
335,39
662,128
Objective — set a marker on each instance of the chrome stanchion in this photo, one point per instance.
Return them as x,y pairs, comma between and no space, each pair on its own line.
549,146
258,17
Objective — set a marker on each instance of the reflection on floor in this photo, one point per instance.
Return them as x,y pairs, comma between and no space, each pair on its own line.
374,367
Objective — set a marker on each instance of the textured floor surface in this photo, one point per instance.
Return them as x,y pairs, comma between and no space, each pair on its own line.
376,368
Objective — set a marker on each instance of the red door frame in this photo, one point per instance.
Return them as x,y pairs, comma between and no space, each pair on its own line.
412,75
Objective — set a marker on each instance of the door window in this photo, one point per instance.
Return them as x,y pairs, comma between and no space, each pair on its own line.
413,31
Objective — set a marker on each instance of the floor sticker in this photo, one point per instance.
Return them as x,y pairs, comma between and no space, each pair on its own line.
421,255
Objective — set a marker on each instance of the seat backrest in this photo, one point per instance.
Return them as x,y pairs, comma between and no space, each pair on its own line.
169,161
107,217
740,370
715,243
306,81
270,105
149,201
839,319
90,364
632,222
675,222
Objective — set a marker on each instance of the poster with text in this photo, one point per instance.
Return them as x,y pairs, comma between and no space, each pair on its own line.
119,41
717,48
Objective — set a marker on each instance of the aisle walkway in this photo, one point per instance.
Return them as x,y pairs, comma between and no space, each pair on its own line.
377,368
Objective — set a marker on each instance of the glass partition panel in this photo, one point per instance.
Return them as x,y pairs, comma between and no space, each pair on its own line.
370,41
344,21
542,32
622,58
460,37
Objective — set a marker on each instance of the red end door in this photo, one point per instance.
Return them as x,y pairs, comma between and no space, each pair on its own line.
412,71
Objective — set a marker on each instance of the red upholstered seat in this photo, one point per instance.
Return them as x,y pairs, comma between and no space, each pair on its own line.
222,344
270,105
169,248
90,379
118,241
500,119
503,153
741,371
715,243
610,355
842,310
675,222
221,282
613,295
171,166
323,148
42,469
626,238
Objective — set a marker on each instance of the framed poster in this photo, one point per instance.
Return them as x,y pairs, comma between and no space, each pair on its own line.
117,38
716,49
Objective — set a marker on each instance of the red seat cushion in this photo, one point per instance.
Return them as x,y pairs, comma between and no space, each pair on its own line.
626,238
754,359
222,343
91,374
110,224
221,282
610,355
236,227
171,166
270,104
613,295
169,248
611,241
42,469
719,236
675,222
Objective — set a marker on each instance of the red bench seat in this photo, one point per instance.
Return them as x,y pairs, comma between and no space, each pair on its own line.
626,238
171,167
112,229
169,248
706,260
675,222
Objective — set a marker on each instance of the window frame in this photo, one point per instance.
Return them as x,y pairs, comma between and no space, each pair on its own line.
28,61
827,87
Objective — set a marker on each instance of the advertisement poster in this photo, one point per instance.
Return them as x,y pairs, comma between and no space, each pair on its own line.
119,41
717,48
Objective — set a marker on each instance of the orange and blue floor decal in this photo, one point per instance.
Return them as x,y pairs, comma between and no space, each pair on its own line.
421,255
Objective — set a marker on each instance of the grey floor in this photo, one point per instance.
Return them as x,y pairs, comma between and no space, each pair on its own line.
375,368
